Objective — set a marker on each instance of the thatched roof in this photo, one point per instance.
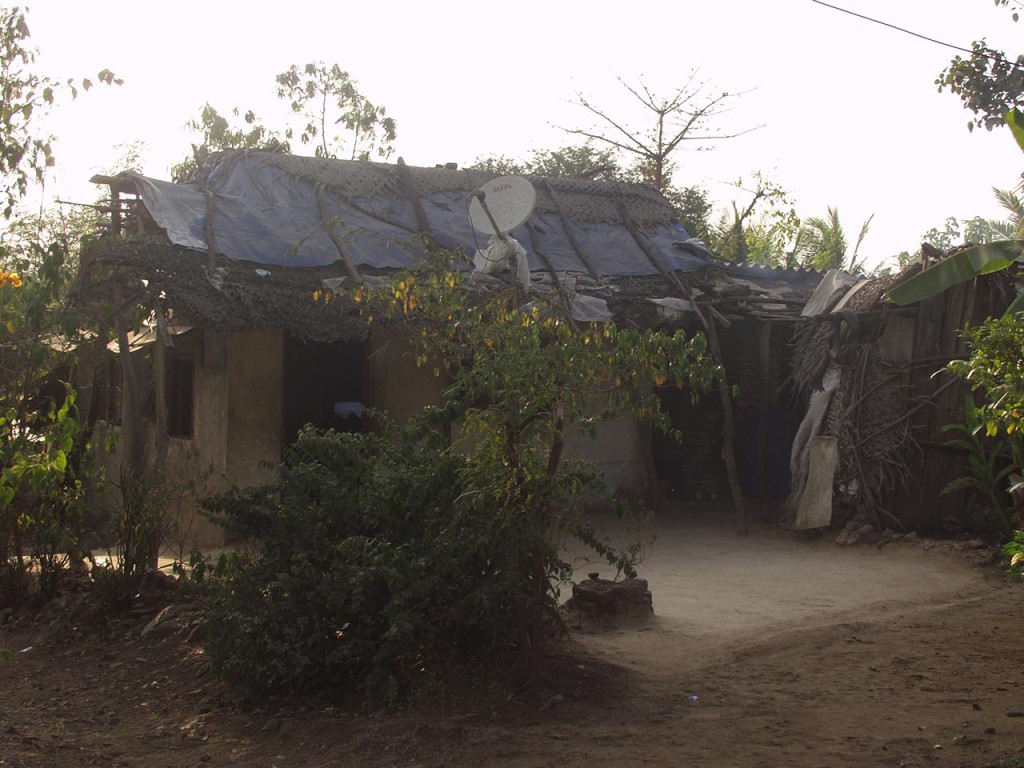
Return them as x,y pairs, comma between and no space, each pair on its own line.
152,272
282,227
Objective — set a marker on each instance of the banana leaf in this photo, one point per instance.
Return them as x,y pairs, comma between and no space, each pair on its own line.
1017,305
1015,119
958,268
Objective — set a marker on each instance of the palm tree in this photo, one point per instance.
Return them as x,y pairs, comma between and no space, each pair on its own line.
1010,199
821,243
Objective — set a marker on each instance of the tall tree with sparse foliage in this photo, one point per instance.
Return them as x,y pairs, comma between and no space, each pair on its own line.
326,96
340,122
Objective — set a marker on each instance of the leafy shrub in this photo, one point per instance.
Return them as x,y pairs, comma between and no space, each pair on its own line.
995,370
41,501
990,470
365,572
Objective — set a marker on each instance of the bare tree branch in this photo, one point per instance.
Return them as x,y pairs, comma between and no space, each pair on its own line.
676,120
640,148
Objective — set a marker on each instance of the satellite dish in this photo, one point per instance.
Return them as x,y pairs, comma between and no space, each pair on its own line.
510,200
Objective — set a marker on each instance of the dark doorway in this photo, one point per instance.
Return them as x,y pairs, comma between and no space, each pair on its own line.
690,469
766,415
180,394
324,386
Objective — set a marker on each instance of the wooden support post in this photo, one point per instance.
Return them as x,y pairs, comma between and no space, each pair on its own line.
162,439
132,436
115,211
765,403
728,435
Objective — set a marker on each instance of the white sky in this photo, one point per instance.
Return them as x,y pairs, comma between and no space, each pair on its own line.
851,113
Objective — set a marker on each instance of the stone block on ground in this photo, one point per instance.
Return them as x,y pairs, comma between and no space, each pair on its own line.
606,599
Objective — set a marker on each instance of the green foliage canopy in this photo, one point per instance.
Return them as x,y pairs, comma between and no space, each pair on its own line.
315,91
988,82
219,134
995,368
325,96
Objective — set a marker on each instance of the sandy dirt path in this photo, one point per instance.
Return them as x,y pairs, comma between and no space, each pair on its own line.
714,590
799,653
808,653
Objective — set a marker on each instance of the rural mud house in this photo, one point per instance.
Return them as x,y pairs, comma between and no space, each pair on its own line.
240,355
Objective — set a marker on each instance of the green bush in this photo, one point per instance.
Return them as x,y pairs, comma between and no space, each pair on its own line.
995,371
41,501
366,573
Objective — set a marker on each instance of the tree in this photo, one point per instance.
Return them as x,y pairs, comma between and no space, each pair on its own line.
675,120
42,461
25,96
520,381
219,135
978,230
988,82
966,231
969,262
681,119
768,231
821,243
318,91
994,370
693,209
570,162
1013,204
760,231
893,265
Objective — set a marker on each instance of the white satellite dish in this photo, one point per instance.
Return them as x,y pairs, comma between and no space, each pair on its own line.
510,200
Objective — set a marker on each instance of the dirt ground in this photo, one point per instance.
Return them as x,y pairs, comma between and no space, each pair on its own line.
769,650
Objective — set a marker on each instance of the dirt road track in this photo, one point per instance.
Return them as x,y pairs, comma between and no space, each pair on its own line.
799,654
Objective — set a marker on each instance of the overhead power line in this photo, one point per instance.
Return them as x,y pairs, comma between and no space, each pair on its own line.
912,33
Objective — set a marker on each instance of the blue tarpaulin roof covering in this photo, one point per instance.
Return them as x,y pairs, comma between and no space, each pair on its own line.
284,210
